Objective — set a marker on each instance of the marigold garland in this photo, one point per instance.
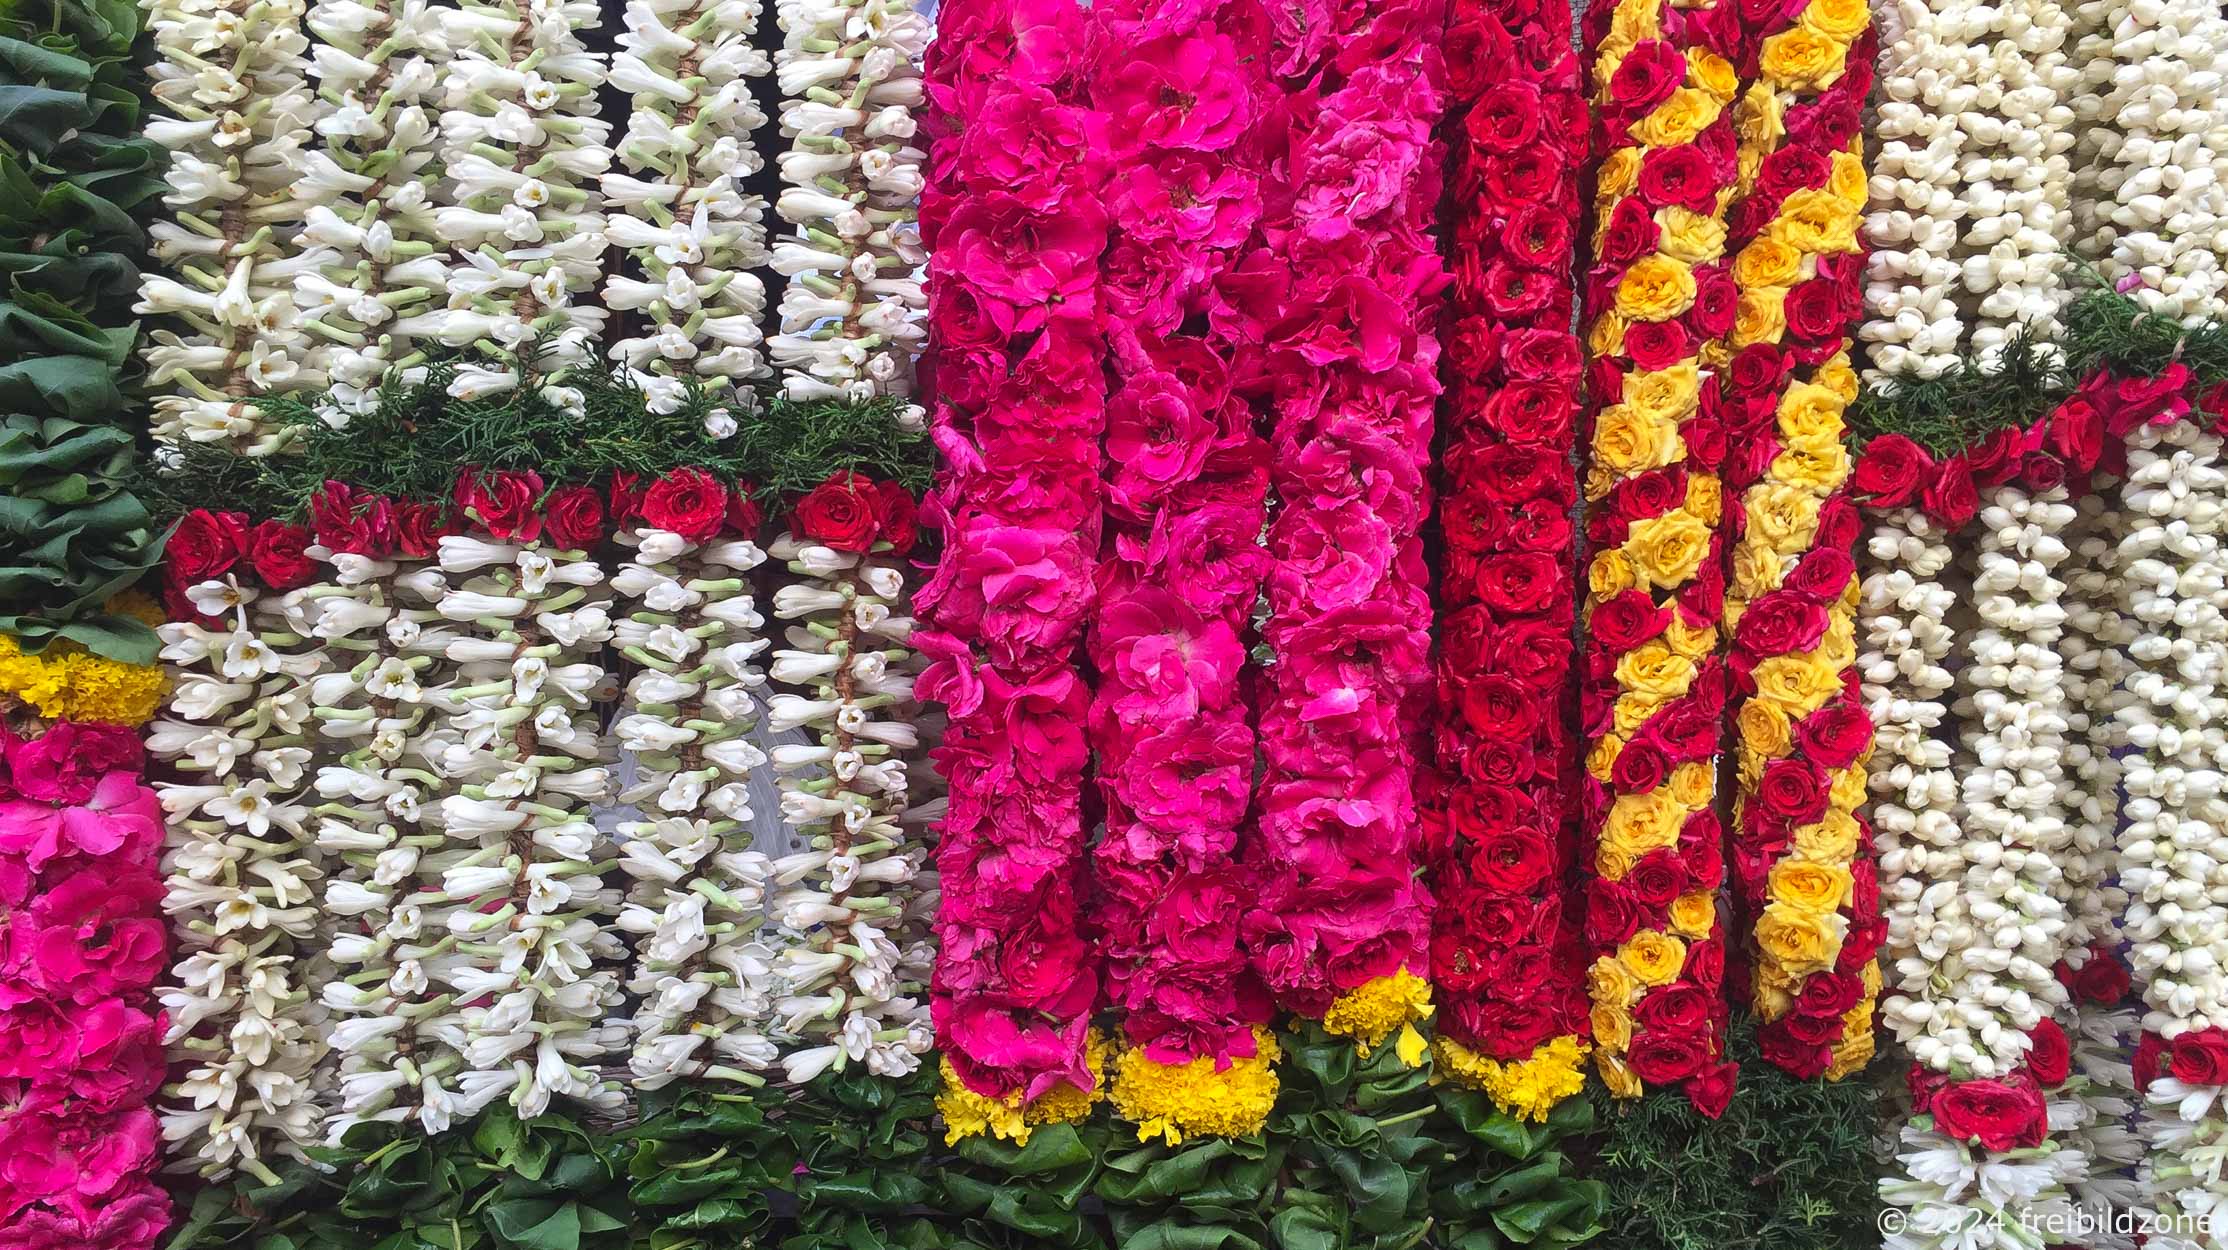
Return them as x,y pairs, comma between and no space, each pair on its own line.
1506,957
1658,299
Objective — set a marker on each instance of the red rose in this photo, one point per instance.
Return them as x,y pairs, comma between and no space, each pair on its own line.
419,527
1657,878
205,545
1783,1048
1792,790
1758,369
1513,861
744,516
1780,624
1828,994
1520,584
1995,459
1892,471
1821,575
575,517
1716,299
1640,767
2140,401
1532,414
2049,1053
1838,524
1656,345
2102,980
1499,707
1647,76
689,502
278,552
1662,1057
1679,176
1815,311
1710,1091
900,517
2077,433
1705,963
626,498
1626,620
2150,1055
843,512
1999,1115
502,503
1612,915
2200,1057
354,521
1951,497
1836,734
1541,355
1675,1009
1632,233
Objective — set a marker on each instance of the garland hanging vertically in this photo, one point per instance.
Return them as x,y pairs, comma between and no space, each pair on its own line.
1014,219
1506,958
1341,929
1653,685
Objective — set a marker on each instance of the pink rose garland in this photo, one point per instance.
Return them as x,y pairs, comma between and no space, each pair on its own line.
1184,94
81,942
1342,928
1013,211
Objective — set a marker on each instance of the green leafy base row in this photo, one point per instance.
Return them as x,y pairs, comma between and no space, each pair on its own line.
1365,1154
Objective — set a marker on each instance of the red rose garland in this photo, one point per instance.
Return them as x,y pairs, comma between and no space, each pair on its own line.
1181,569
1341,932
1013,216
1506,965
1653,688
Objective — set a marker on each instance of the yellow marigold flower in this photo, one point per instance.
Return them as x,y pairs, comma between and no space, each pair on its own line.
1176,1101
1690,236
1767,262
1802,942
1628,442
1686,113
67,682
1651,669
1526,1088
968,1114
1712,73
1655,288
1760,316
1765,729
1616,1076
1653,958
138,606
1808,886
1640,823
1668,550
1804,60
1693,915
1370,1012
1691,784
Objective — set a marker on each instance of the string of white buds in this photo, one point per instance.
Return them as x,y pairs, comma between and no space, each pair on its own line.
230,81
396,1033
704,978
679,208
2104,1084
856,974
242,880
2171,714
371,189
2150,193
522,149
521,890
1970,215
850,316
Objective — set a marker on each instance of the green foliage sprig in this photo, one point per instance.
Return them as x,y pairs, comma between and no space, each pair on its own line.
411,445
1789,1166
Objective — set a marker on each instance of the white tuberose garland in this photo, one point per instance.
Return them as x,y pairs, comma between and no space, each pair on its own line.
242,874
231,80
705,980
371,187
850,70
855,971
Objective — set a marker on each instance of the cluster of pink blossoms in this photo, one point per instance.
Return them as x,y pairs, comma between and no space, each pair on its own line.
1188,105
81,942
1015,213
1353,368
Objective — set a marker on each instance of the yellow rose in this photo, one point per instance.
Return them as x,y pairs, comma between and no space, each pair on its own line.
1620,173
1606,337
1819,469
1705,498
1628,441
1767,262
1772,1001
1632,710
1693,915
1712,73
1643,822
1690,236
1872,983
1758,121
1764,729
1837,19
1848,182
1653,958
1760,317
1607,982
1602,756
1609,574
1692,784
1664,394
1637,20
1807,886
1847,791
1755,570
1836,376
1615,1076
1608,55
1782,517
1810,410
1816,221
1801,942
1612,1026
1833,840
1691,641
1683,115
1796,685
1851,1055
1668,549
1804,60
1651,669
1655,288
1613,863
1715,355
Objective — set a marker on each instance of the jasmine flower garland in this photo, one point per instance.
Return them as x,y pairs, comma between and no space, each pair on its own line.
242,862
690,303
521,886
703,969
850,72
239,110
521,148
372,185
855,901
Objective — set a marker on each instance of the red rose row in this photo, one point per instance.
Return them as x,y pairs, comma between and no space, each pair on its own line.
1506,960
